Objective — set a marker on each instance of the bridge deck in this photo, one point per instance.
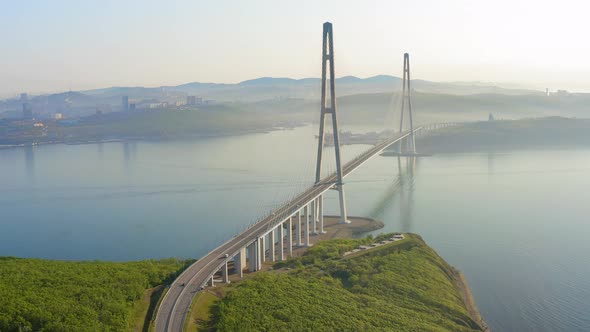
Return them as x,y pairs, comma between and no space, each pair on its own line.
174,308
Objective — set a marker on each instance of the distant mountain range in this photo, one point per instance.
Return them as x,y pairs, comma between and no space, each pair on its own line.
264,88
308,88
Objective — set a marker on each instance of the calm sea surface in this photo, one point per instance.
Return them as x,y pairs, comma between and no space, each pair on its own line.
517,223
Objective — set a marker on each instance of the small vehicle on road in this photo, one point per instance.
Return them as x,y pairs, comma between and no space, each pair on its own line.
182,285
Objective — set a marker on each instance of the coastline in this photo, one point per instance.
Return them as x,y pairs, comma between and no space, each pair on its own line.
152,139
364,225
463,288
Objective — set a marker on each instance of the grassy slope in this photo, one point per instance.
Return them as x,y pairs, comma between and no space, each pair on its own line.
401,287
142,314
77,296
201,312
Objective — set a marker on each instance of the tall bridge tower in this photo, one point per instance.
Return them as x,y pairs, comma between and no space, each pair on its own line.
406,99
328,59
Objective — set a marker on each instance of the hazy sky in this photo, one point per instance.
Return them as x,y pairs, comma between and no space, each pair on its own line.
59,44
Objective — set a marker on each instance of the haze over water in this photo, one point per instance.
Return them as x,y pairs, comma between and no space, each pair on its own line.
515,223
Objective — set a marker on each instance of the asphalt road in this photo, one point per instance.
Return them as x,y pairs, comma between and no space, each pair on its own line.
175,305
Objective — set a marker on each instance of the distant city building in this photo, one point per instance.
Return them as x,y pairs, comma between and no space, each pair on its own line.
194,100
59,116
27,111
132,107
547,91
158,105
125,102
38,125
491,117
24,97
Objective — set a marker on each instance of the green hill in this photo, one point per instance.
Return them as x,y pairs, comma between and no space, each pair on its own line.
48,295
555,132
404,286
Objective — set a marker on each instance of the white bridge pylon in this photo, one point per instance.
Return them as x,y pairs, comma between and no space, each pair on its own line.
328,58
407,101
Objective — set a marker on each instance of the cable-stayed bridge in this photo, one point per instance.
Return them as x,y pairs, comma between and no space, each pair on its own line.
291,224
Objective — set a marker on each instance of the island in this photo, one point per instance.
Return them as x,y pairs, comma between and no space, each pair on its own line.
366,284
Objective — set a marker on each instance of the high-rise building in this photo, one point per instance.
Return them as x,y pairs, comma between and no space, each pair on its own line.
132,107
194,100
24,97
125,102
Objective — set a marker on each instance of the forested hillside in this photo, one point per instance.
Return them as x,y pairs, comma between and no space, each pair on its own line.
47,295
403,286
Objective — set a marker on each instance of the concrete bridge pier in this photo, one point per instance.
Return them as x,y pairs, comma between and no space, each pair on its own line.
271,245
240,262
211,282
281,242
290,237
224,274
298,228
253,256
314,216
321,213
260,253
306,209
343,214
263,248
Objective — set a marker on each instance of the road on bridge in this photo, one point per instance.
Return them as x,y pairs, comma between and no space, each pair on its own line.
175,305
